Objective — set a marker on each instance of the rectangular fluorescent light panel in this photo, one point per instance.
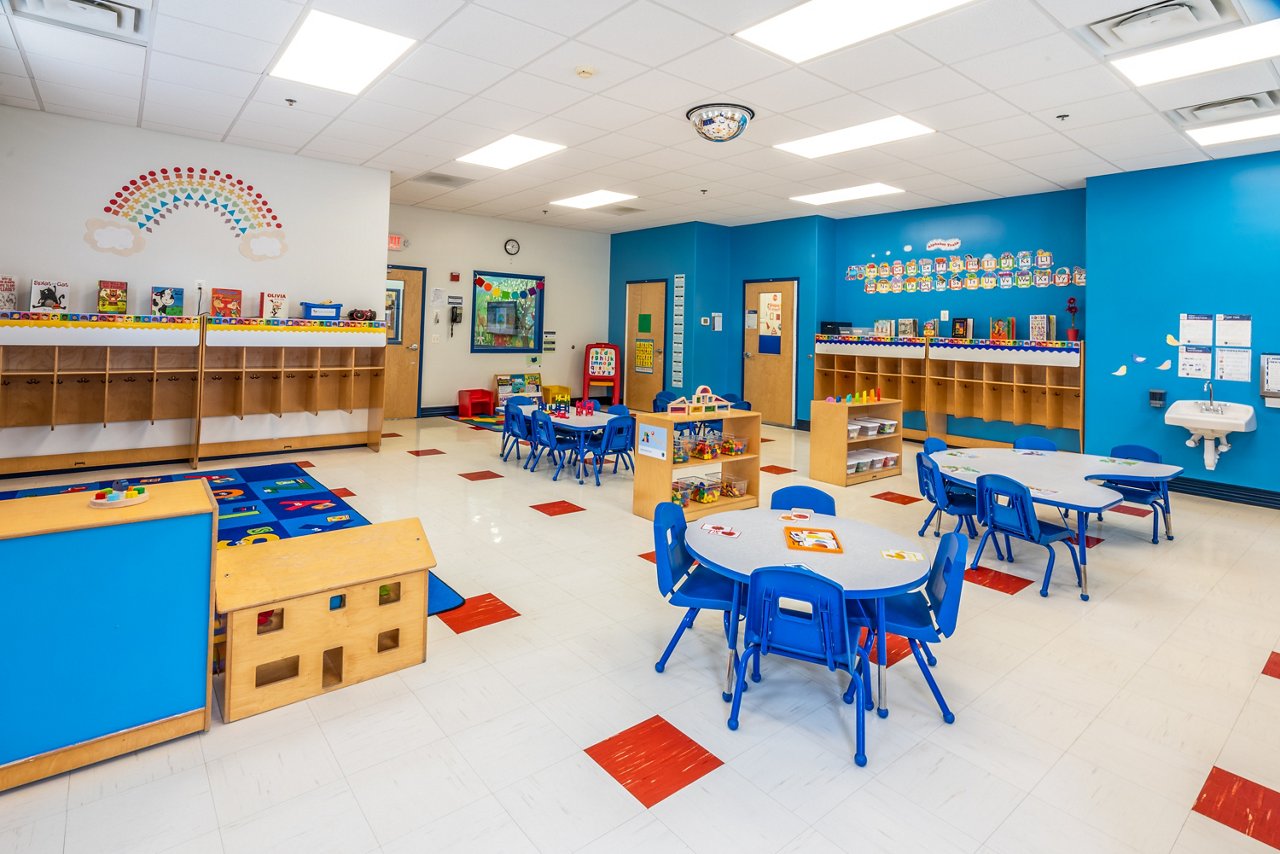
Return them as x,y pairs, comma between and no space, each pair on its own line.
1237,131
858,136
334,53
821,26
1211,53
594,200
510,151
848,194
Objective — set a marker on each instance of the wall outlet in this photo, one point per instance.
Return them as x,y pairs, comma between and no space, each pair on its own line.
201,284
944,315
435,339
705,321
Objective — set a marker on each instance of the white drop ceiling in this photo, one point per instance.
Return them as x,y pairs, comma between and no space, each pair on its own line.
991,78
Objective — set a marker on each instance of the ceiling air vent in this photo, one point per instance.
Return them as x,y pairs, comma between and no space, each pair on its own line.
1242,107
1162,22
619,210
126,21
440,179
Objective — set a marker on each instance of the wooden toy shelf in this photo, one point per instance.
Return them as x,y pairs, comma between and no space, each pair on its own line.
654,476
830,445
59,370
1023,382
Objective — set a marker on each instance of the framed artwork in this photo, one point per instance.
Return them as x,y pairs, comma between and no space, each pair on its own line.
508,313
395,300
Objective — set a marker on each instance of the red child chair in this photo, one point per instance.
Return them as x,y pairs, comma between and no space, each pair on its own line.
474,401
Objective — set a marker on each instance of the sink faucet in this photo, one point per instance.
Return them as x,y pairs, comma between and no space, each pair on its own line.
1212,407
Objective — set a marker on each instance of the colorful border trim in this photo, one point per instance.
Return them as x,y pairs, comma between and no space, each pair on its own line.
62,320
277,324
985,344
869,339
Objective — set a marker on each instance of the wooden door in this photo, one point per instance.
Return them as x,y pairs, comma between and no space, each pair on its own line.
769,350
646,343
404,359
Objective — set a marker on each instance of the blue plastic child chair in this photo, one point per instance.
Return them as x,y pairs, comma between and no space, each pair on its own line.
1033,443
803,497
932,445
547,441
515,426
618,409
1154,495
796,613
949,502
663,399
683,582
1005,507
617,438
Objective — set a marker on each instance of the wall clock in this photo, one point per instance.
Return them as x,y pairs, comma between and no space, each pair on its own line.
512,246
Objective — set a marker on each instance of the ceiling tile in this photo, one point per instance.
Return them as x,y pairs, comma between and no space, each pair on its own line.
378,114
1240,149
961,158
558,65
6,34
311,99
1109,108
1031,60
872,63
568,17
669,159
406,161
965,112
92,115
1067,164
1049,143
790,90
457,71
186,117
978,28
464,133
1142,127
73,96
725,64
1158,161
656,91
183,38
923,90
420,145
201,75
49,70
411,18
554,129
11,62
1001,130
500,39
160,93
268,20
1073,13
730,17
1204,88
178,130
491,114
357,152
604,113
840,112
629,170
662,129
75,46
534,93
930,145
13,86
264,144
1065,88
959,194
649,34
350,131
413,95
1141,146
774,129
246,128
285,117
15,101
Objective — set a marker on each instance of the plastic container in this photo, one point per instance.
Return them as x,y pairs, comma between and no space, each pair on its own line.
858,462
682,447
863,427
732,446
680,493
706,446
732,487
890,459
321,310
702,489
886,425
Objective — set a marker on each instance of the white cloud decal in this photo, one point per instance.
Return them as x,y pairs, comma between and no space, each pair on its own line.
263,245
114,237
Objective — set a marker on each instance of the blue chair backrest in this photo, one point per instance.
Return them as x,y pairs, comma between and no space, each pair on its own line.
517,422
673,559
820,636
519,400
933,445
924,476
663,399
1136,452
1005,506
737,402
937,483
806,497
946,581
544,432
616,432
1034,443
618,409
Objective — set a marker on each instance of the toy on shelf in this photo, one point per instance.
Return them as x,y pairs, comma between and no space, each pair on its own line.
703,490
681,448
680,493
732,487
732,446
703,402
586,406
706,446
119,498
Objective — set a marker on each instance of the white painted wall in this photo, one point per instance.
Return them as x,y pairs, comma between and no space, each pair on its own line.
576,267
57,172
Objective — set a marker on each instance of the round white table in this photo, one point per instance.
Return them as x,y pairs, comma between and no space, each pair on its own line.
580,426
861,569
1059,479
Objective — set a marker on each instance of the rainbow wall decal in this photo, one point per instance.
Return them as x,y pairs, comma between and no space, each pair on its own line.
143,203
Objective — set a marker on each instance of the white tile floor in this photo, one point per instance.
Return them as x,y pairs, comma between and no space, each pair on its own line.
1080,726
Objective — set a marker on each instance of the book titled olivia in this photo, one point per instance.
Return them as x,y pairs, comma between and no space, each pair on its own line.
273,305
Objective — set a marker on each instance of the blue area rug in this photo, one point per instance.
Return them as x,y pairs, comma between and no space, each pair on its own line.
263,503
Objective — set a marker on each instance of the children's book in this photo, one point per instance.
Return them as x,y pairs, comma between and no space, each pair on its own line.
48,295
908,327
273,305
225,302
113,297
885,329
166,301
1003,328
8,293
931,328
1044,327
962,327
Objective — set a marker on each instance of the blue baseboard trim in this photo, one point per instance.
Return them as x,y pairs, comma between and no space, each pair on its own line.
1226,492
437,411
802,424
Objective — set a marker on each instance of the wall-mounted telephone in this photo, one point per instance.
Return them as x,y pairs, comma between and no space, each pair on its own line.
455,317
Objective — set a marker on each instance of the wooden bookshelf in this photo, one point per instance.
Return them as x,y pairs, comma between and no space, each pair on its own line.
654,476
1022,382
830,443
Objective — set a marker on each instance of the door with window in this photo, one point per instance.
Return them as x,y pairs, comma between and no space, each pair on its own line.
769,350
646,343
405,287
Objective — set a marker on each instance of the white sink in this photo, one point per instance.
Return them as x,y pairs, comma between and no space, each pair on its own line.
1211,422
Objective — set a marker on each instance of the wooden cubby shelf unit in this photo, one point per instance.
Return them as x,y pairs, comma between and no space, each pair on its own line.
830,443
654,476
1021,382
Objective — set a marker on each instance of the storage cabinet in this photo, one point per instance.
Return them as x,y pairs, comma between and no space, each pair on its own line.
655,474
833,441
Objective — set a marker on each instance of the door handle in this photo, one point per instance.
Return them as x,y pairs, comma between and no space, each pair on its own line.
746,355
413,346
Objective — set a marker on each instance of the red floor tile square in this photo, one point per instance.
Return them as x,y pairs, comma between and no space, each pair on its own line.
474,427
557,508
306,464
763,440
343,492
897,498
994,579
479,475
1271,669
476,612
1241,805
1125,509
1089,541
896,648
776,469
653,760
652,557
391,435
427,452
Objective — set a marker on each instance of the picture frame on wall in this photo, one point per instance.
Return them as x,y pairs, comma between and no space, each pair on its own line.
508,313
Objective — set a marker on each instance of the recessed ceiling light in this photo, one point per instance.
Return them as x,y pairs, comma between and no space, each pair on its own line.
1237,131
858,136
821,26
334,53
594,200
865,191
1211,53
510,151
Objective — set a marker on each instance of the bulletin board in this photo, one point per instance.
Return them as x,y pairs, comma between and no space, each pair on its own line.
508,313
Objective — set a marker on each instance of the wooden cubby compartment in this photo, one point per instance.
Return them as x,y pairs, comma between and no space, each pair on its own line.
830,445
653,477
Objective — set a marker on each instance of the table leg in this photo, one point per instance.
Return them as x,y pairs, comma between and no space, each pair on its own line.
1082,527
882,698
582,452
731,636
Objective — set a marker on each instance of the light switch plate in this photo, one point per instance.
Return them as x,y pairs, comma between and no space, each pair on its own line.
944,315
435,339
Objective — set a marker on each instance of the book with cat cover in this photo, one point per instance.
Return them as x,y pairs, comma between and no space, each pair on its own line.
8,293
113,297
273,305
226,302
166,301
49,295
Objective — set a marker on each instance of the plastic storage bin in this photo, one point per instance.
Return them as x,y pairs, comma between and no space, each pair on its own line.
887,425
321,310
731,445
706,446
858,462
862,427
680,493
703,489
732,487
681,448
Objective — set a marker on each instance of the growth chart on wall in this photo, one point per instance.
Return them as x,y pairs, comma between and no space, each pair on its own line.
142,204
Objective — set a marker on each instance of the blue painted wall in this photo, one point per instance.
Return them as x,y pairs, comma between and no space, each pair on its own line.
654,253
1201,238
